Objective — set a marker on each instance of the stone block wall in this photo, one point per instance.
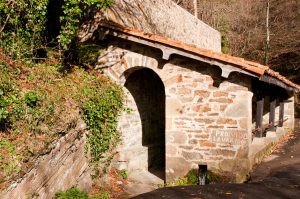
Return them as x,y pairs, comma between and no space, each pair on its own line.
205,124
208,119
289,113
163,17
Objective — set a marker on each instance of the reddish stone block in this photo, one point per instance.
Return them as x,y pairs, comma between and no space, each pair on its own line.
206,143
223,107
173,80
201,108
226,121
222,100
215,127
202,136
184,91
213,114
193,85
199,80
186,147
180,123
193,141
220,94
202,93
235,88
204,120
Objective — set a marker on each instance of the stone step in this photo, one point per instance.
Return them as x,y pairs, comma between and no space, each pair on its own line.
141,182
145,177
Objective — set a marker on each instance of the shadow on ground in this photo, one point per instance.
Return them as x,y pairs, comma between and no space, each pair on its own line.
277,178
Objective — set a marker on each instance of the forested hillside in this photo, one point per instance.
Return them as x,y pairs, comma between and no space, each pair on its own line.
243,27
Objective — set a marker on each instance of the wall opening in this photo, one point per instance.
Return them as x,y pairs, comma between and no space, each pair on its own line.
148,92
267,103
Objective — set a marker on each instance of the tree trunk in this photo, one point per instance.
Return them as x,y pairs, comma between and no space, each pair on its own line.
196,8
267,49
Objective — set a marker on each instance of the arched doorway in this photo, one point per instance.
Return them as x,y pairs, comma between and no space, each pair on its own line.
148,92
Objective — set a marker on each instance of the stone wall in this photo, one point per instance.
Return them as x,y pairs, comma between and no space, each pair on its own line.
206,124
208,119
162,17
64,167
289,113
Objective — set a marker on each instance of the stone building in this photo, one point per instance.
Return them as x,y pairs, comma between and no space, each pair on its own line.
189,104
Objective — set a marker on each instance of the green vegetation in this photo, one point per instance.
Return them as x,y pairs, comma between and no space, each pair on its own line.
123,174
41,97
31,98
26,25
212,178
224,30
100,114
74,12
191,178
75,193
40,103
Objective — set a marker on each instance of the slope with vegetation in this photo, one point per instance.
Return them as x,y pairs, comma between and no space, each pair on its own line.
44,91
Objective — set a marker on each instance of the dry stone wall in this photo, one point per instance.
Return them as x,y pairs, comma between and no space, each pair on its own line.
64,167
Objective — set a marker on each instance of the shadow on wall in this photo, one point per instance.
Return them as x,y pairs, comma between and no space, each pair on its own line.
148,92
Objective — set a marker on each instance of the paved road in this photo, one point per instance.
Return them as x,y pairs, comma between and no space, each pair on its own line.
277,178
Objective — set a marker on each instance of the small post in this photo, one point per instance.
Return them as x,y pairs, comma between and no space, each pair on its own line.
272,114
259,116
281,114
202,172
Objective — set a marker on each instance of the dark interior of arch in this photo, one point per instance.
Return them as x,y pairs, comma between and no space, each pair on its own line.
148,92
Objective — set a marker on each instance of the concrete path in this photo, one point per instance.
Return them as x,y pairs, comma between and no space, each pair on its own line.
277,177
141,182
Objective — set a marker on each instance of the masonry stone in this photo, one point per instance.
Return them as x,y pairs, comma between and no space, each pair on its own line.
204,118
163,17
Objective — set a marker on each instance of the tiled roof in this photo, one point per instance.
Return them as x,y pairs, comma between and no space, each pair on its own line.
250,66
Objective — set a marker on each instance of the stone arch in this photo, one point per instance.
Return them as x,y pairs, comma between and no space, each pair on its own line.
128,64
143,126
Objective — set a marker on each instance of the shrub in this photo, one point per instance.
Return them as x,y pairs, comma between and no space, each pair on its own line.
31,98
192,177
123,174
75,193
72,193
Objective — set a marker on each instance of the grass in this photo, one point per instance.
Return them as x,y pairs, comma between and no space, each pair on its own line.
75,193
42,102
191,178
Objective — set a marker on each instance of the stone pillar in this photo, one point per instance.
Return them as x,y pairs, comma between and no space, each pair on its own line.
289,113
